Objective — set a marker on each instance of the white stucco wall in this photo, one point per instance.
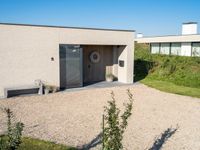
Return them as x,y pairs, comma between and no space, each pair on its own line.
188,29
26,51
186,49
155,48
165,48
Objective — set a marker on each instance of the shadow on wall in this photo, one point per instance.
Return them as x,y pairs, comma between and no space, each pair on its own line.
159,142
141,69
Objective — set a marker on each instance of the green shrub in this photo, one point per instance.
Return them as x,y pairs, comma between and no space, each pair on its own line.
14,133
115,125
3,143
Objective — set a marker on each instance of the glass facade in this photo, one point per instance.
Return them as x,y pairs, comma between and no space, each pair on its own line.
155,48
195,49
176,49
165,48
180,49
70,66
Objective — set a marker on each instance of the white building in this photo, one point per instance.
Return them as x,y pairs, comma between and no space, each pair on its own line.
187,44
62,56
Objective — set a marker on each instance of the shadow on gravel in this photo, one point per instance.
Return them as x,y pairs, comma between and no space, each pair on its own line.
96,141
160,141
157,145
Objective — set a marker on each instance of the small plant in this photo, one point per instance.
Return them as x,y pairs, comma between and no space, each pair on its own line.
55,89
110,77
3,144
47,89
114,125
50,89
12,139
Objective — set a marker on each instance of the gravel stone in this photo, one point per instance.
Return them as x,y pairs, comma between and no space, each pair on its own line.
74,118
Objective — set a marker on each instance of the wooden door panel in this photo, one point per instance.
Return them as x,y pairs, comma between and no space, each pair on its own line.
94,72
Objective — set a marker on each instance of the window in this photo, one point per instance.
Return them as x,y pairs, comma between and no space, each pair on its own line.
165,48
195,49
155,48
176,49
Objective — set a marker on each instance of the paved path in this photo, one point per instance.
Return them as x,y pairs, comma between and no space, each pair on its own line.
74,118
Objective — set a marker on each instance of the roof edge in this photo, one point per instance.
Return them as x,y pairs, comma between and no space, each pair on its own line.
170,36
51,26
190,23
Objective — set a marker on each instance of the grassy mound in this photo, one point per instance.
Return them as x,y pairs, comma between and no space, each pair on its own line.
172,88
36,144
176,70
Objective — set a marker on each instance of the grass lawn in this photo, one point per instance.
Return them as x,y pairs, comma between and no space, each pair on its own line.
36,144
173,74
171,87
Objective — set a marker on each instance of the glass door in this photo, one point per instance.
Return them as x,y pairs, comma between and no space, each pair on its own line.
70,66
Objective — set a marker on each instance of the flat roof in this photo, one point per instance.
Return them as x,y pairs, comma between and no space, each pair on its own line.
190,23
170,38
51,26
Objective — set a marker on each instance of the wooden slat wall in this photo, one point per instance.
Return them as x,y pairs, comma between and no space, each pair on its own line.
94,72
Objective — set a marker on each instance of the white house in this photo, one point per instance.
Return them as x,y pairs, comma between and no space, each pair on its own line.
62,56
187,44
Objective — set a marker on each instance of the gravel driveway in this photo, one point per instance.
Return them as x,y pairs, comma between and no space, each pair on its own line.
74,118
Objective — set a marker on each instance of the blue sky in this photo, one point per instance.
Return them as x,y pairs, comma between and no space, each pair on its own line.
151,17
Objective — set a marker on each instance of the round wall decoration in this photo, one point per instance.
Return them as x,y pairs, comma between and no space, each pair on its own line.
95,57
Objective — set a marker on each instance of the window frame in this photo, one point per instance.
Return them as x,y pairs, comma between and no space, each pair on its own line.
192,44
171,48
158,48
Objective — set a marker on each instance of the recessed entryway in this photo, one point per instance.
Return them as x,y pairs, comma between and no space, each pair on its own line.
87,64
97,62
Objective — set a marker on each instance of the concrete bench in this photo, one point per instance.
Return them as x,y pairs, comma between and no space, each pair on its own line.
22,90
